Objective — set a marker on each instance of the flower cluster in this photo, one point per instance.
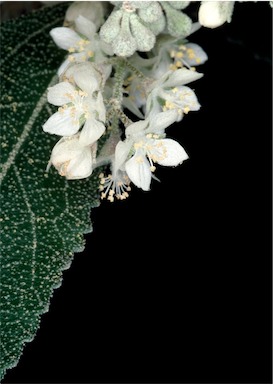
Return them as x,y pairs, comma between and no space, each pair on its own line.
125,79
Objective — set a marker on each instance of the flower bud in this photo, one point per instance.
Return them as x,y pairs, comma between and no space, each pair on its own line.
71,159
212,14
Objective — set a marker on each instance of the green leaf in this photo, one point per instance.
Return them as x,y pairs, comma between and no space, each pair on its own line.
43,216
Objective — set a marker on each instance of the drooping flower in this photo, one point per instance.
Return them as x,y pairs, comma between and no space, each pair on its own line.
144,146
151,149
71,159
80,106
178,55
170,93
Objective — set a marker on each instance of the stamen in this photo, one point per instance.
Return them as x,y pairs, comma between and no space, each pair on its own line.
114,187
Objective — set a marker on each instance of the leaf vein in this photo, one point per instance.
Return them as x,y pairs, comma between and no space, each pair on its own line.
42,101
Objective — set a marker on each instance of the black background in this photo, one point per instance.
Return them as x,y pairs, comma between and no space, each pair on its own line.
175,283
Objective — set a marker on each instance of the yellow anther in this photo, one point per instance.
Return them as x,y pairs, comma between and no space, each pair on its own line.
82,93
169,105
139,159
179,55
138,145
186,110
173,67
71,58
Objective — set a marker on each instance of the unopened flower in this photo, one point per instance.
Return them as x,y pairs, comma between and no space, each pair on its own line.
91,10
125,29
212,14
71,159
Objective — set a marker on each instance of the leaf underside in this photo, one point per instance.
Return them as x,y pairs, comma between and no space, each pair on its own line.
43,216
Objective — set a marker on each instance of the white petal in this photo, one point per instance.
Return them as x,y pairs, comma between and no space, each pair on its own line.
80,167
185,99
91,132
161,121
65,149
86,79
92,10
181,76
59,93
200,55
121,153
85,27
129,104
136,128
71,159
62,124
176,154
139,172
100,107
64,37
63,67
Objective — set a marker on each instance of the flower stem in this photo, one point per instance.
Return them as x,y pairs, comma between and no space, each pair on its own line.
118,81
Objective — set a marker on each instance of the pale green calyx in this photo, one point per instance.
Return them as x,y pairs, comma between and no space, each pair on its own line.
178,23
132,26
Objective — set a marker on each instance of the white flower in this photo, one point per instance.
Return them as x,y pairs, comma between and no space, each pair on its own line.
187,55
212,14
172,55
170,93
71,159
182,99
78,107
83,45
91,10
145,144
150,149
